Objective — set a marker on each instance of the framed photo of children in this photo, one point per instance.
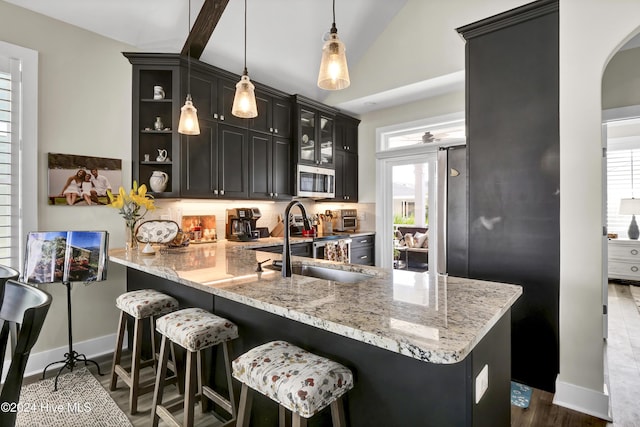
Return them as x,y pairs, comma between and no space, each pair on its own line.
82,180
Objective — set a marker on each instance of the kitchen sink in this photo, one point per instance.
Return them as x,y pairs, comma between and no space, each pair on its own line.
325,273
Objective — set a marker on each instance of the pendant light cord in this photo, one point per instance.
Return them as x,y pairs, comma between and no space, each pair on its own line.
189,51
334,13
245,37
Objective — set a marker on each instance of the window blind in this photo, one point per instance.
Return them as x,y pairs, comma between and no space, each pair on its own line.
9,166
621,166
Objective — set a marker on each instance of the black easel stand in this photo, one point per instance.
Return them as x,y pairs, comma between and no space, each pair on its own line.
72,356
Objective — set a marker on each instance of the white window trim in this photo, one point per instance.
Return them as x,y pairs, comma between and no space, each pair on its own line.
28,136
384,133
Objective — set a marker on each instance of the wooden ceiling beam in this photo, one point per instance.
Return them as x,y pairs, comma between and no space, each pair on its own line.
203,27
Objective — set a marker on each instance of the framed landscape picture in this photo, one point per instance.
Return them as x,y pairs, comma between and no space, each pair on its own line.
82,180
66,256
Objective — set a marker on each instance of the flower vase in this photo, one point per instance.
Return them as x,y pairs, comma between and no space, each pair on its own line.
131,243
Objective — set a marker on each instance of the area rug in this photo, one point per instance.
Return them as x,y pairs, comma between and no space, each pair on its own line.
79,402
520,395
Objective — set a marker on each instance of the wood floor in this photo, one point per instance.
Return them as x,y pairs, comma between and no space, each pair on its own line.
623,371
542,413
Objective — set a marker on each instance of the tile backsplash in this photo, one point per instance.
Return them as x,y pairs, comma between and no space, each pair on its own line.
174,209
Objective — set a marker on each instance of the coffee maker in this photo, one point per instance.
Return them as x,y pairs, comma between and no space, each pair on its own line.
241,224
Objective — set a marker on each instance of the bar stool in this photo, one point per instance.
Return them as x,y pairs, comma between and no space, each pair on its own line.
302,382
141,305
194,329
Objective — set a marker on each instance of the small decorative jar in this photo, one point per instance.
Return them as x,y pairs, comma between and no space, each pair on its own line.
158,125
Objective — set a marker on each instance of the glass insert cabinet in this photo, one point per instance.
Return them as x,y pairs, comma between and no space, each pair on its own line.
316,133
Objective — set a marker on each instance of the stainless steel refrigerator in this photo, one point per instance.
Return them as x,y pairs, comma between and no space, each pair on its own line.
452,193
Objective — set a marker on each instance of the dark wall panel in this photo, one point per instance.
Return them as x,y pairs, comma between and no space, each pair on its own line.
513,158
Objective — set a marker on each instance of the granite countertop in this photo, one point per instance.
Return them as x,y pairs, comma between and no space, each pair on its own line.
437,319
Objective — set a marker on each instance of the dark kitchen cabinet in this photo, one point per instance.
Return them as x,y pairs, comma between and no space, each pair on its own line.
150,71
297,249
346,158
199,154
274,114
347,133
315,133
363,249
215,163
346,165
213,96
233,162
514,175
269,167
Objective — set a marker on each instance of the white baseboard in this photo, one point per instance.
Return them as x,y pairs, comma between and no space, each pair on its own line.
91,349
583,400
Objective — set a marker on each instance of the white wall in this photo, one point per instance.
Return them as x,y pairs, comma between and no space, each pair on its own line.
84,108
591,31
621,80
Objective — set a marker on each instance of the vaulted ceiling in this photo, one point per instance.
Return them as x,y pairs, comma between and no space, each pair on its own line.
284,37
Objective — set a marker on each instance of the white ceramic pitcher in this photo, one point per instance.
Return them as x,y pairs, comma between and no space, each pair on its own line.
158,181
162,155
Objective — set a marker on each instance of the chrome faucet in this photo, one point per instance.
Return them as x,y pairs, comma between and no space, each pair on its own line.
286,247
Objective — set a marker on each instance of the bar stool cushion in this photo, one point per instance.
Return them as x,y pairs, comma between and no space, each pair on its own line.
145,303
195,328
300,381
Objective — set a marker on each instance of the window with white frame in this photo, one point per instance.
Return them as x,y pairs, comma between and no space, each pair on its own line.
623,181
9,208
18,146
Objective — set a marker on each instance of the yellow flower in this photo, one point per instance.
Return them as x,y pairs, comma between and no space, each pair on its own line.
130,204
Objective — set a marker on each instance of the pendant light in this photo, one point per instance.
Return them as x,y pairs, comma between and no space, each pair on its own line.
244,101
334,74
188,124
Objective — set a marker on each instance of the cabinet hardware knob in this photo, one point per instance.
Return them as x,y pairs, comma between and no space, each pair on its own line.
275,194
634,269
364,257
270,194
221,116
634,252
222,192
215,191
276,131
364,241
270,129
215,115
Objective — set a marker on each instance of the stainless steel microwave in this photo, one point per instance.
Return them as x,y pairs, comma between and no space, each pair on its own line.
314,182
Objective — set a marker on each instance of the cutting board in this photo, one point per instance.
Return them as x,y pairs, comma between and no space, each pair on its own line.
278,230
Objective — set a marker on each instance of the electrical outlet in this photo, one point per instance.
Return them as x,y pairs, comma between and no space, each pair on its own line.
482,382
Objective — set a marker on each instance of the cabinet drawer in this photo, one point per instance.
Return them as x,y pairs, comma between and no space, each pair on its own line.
624,270
362,255
624,251
358,242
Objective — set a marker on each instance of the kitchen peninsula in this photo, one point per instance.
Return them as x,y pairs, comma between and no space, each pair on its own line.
416,342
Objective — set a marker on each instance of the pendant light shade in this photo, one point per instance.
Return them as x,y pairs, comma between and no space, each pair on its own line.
244,101
188,124
189,118
334,74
